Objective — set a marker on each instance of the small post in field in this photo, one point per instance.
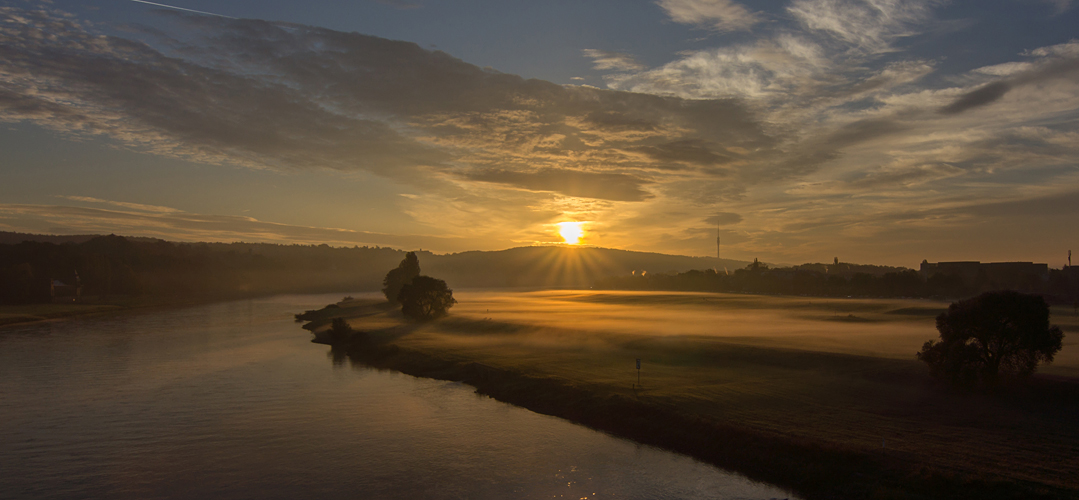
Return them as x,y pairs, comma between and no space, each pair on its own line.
638,371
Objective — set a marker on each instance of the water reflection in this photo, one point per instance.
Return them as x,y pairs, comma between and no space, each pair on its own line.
339,355
232,400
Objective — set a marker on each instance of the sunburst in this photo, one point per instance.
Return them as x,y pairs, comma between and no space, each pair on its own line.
571,232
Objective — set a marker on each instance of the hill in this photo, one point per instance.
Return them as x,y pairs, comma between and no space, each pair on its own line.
12,238
556,266
115,265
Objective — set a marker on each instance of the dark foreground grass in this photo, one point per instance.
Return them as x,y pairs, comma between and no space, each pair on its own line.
809,420
812,469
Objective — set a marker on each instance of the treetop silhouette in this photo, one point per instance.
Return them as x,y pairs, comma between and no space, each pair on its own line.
425,298
996,333
397,278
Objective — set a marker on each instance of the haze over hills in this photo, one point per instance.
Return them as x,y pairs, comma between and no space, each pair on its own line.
120,265
12,238
556,266
114,265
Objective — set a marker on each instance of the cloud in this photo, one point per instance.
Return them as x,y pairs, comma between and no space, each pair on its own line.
63,77
1060,5
866,25
905,176
689,151
1068,49
330,100
399,4
1054,62
864,130
181,8
978,97
723,219
721,15
760,70
133,206
604,186
185,226
1005,69
604,60
1064,204
614,120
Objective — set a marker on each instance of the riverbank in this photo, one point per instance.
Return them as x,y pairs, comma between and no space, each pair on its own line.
778,409
17,314
30,313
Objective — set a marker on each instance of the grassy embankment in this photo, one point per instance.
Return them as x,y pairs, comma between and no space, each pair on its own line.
799,392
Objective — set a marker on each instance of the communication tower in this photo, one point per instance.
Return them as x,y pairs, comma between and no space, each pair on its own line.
717,244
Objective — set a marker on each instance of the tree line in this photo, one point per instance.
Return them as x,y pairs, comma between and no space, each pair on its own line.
840,280
108,266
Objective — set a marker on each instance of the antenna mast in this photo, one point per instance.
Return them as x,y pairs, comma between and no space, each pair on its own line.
718,246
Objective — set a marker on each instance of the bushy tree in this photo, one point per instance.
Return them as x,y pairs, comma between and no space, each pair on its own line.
397,278
425,298
993,334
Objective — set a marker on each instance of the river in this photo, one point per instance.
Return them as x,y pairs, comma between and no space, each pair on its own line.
231,400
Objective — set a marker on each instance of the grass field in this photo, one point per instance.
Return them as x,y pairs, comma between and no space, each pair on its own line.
835,371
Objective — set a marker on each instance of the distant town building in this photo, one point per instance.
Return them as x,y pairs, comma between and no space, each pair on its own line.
1019,275
63,292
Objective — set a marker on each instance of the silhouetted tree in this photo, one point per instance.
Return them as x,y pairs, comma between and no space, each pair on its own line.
340,330
425,298
21,285
404,273
1001,332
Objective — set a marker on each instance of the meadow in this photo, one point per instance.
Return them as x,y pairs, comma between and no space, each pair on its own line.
832,373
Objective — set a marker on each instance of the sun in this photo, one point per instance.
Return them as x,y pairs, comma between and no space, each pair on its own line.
571,232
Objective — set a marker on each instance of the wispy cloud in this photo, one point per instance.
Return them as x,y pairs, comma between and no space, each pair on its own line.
742,71
133,206
604,186
1051,63
185,226
723,219
722,15
1059,5
155,4
604,60
400,4
866,25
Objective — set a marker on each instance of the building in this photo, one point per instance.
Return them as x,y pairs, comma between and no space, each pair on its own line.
63,292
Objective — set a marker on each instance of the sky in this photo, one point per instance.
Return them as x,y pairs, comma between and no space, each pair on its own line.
875,131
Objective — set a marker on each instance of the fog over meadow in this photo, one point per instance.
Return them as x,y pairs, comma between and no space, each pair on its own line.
889,328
